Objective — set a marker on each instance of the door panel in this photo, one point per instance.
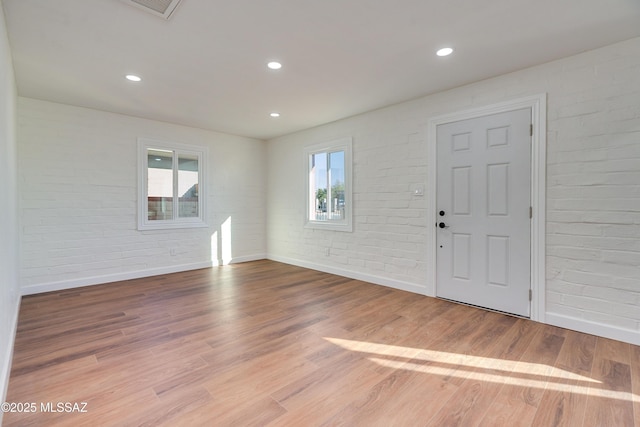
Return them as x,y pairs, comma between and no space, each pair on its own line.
461,191
498,189
461,245
483,187
498,260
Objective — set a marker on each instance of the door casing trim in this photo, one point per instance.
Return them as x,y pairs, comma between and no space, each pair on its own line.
538,105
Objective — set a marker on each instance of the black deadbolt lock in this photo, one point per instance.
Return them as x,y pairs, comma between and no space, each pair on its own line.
441,213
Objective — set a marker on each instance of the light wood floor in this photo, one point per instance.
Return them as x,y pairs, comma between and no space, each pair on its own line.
265,343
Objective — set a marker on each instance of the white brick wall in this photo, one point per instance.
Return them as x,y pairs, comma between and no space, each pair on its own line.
9,292
78,193
389,222
593,188
593,199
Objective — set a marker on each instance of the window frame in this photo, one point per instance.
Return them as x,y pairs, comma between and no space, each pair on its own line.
145,144
346,224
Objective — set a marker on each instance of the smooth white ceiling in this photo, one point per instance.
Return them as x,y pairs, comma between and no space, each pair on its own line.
206,66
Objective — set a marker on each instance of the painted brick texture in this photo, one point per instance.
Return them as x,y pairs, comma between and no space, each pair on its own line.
593,185
593,196
78,196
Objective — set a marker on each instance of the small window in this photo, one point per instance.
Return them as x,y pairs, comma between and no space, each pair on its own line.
329,202
171,185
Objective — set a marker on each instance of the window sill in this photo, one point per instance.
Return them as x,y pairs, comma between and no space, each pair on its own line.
325,225
171,225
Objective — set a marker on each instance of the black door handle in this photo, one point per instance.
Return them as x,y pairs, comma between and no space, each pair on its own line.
443,225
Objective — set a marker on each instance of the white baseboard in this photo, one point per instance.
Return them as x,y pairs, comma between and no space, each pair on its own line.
5,369
607,331
247,258
108,278
580,325
567,322
377,280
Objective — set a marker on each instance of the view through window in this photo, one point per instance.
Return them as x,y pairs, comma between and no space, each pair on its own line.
329,186
171,186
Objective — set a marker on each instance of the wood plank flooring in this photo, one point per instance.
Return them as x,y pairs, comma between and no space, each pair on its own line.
269,344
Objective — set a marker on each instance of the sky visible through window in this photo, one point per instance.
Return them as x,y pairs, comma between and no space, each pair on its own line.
337,168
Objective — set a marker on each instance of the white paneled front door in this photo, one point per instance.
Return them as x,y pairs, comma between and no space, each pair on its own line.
483,219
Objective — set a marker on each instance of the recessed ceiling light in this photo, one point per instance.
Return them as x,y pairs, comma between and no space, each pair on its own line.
274,65
275,115
133,77
445,51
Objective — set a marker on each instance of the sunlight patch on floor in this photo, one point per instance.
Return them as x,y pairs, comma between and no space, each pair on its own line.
487,369
466,360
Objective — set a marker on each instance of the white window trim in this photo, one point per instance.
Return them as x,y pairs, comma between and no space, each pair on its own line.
143,221
343,144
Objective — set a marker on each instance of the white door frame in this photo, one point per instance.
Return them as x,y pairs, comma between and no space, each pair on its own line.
538,105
